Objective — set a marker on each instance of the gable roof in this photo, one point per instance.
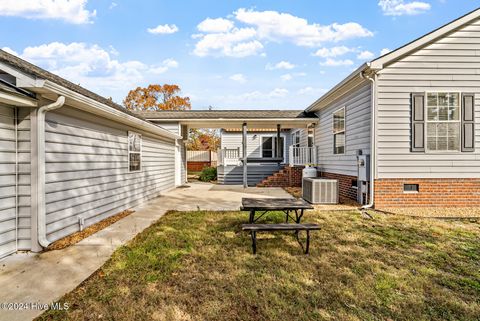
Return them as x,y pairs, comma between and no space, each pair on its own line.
356,77
224,114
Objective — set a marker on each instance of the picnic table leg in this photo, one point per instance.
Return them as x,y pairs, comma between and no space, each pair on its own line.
252,216
254,242
286,219
308,242
299,218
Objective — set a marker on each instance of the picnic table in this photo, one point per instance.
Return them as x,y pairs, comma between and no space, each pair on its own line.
265,205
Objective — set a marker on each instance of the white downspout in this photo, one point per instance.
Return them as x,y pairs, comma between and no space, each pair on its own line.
372,140
40,169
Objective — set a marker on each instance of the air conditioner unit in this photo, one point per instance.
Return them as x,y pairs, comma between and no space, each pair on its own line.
320,190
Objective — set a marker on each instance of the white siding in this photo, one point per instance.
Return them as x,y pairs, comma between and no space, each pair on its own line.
7,181
87,170
24,214
173,127
357,131
449,64
233,140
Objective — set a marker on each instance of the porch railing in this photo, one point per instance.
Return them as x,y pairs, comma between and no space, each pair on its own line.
229,156
301,156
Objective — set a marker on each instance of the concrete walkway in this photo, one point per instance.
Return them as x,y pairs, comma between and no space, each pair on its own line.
46,277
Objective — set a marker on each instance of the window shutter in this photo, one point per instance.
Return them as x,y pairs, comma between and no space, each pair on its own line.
418,122
468,122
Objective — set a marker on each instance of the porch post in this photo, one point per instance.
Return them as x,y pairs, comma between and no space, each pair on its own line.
244,154
277,152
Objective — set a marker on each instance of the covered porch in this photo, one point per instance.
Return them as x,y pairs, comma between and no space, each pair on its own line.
236,161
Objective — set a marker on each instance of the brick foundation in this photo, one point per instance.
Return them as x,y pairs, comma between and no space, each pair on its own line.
439,192
345,184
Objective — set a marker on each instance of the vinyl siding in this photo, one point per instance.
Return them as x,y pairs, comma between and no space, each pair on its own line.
8,214
173,127
357,131
24,188
233,140
87,170
451,63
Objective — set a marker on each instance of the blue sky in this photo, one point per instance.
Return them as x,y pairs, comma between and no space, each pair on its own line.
280,54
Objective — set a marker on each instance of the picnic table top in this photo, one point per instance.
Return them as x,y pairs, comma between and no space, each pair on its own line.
263,204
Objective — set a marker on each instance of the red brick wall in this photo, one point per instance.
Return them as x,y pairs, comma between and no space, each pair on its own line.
345,184
294,176
197,166
440,192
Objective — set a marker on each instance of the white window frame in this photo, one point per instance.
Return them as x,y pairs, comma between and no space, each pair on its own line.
274,141
340,131
459,121
311,127
135,152
295,135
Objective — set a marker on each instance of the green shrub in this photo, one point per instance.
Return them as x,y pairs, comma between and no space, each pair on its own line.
208,174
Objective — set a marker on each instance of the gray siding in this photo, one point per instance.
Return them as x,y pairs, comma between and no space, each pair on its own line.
173,127
87,170
233,175
357,131
233,140
449,64
24,212
8,191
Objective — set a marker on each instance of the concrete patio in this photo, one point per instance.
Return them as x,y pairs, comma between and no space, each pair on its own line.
44,278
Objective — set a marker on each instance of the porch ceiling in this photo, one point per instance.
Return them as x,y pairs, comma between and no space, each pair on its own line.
259,119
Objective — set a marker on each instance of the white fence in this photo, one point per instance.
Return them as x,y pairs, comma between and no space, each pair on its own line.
201,156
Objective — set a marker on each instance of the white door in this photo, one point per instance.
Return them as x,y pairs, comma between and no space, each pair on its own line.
8,199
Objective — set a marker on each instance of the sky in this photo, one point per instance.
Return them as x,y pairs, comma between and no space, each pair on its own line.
272,54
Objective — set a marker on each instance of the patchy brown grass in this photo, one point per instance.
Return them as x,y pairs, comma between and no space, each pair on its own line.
199,266
92,229
436,212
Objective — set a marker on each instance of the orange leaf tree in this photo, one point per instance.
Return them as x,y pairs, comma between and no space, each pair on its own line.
203,139
156,97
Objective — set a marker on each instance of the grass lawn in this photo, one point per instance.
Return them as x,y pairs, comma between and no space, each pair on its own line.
199,266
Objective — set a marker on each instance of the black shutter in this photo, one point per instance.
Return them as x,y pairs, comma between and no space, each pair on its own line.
418,122
468,122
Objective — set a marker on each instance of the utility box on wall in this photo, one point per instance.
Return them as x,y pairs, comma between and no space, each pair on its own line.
363,177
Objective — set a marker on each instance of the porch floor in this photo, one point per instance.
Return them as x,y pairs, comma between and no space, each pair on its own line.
45,277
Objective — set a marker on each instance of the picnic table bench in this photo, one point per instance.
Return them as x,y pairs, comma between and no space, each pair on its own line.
254,228
266,205
286,205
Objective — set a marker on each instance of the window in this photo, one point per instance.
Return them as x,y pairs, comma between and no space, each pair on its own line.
269,147
134,152
410,188
311,135
339,131
443,121
296,143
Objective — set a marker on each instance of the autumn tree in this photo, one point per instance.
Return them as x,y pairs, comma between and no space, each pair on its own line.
156,97
203,139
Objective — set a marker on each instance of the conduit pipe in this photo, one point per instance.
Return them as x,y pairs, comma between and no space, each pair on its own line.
372,140
40,169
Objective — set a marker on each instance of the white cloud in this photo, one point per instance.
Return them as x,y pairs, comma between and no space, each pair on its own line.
365,55
276,26
94,67
235,43
215,25
310,91
335,63
163,29
286,65
255,95
220,37
400,7
286,77
333,52
112,5
10,51
164,67
238,78
72,11
384,51
278,92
